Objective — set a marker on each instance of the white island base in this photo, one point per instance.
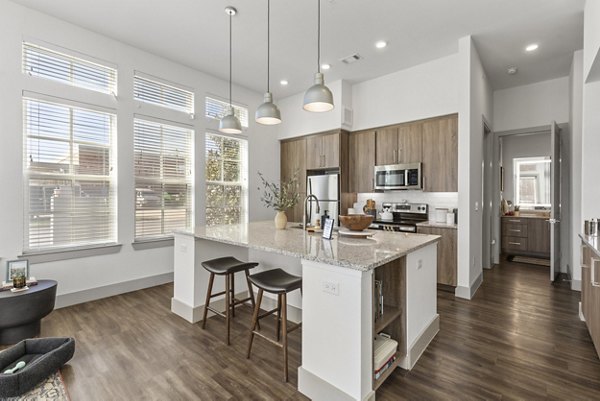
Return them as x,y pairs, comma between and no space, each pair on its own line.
337,305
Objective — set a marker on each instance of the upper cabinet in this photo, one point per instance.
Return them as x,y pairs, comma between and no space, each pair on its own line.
399,144
293,158
361,161
323,151
440,154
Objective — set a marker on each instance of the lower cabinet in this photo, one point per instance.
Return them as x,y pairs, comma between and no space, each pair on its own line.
590,292
447,261
528,236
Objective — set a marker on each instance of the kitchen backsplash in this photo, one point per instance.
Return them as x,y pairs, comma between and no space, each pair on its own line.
447,200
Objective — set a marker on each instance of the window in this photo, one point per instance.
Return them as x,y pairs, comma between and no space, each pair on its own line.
216,109
152,90
226,179
70,193
532,181
46,63
163,178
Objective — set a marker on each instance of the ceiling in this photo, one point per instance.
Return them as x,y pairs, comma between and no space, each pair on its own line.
195,33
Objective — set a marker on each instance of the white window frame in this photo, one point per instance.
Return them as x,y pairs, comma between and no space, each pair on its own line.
112,177
244,182
189,180
160,87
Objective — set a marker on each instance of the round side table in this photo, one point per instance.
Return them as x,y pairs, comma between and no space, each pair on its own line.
21,312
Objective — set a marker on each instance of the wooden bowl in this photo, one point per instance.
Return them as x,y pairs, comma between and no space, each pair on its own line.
356,222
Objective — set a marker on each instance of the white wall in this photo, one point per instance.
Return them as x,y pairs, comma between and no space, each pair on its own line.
475,107
534,145
591,41
17,23
575,127
426,90
532,105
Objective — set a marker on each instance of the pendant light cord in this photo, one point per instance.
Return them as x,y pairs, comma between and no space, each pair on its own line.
319,36
230,53
268,44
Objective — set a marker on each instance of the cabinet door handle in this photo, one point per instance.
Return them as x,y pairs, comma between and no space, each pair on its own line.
514,221
593,275
514,243
513,230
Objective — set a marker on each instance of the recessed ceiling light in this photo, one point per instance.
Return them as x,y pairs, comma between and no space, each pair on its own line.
512,70
283,82
380,44
532,47
325,66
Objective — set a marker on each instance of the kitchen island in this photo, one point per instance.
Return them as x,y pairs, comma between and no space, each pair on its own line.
337,309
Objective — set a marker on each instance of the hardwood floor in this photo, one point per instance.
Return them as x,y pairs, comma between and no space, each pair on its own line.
519,338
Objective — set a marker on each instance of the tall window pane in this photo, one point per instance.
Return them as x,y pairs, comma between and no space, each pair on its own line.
163,178
226,179
70,198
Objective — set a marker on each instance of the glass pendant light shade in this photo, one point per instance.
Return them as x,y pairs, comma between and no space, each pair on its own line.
318,98
268,113
230,124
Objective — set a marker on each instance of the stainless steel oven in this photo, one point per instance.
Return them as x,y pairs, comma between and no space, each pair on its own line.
398,176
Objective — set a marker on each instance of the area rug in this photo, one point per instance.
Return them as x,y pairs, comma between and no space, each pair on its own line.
531,261
53,388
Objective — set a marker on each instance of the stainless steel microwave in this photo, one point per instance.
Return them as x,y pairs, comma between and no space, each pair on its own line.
398,176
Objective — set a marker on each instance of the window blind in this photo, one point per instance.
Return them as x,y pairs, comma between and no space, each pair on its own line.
216,109
155,91
163,178
226,179
41,62
70,193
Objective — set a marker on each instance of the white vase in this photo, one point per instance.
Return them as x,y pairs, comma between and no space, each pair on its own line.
280,220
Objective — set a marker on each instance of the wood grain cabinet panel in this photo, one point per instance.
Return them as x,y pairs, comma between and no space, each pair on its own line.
387,146
361,161
410,143
440,154
293,158
526,236
314,155
538,235
447,260
323,151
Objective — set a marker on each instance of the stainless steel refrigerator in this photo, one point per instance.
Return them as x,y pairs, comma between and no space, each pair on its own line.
326,187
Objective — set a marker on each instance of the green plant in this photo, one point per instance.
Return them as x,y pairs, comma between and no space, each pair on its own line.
279,197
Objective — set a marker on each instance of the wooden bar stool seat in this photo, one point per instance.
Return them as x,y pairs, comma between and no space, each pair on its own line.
227,266
278,282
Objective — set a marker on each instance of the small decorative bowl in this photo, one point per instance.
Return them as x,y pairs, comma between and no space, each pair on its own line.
356,222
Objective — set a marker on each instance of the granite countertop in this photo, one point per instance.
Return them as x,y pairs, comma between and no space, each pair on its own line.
437,225
592,242
354,253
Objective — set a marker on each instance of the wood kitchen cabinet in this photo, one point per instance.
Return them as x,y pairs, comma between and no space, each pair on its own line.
590,292
447,259
528,236
400,144
361,161
293,158
323,151
440,154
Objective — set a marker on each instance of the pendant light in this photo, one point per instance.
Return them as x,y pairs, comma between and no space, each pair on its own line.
268,113
318,98
230,124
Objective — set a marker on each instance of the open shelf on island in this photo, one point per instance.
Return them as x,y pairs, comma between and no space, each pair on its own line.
384,375
390,313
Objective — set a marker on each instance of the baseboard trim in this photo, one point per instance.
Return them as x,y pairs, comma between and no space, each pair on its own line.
111,290
576,285
318,389
420,344
469,292
193,314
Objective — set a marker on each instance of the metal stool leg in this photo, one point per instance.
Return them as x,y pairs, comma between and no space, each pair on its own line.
284,334
228,306
211,280
254,320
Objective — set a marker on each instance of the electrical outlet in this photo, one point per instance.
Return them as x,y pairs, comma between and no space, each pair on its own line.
331,287
476,206
419,264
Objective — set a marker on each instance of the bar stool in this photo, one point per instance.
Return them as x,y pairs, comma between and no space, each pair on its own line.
278,282
226,266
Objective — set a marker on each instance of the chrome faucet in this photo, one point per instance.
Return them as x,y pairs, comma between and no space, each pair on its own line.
311,196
